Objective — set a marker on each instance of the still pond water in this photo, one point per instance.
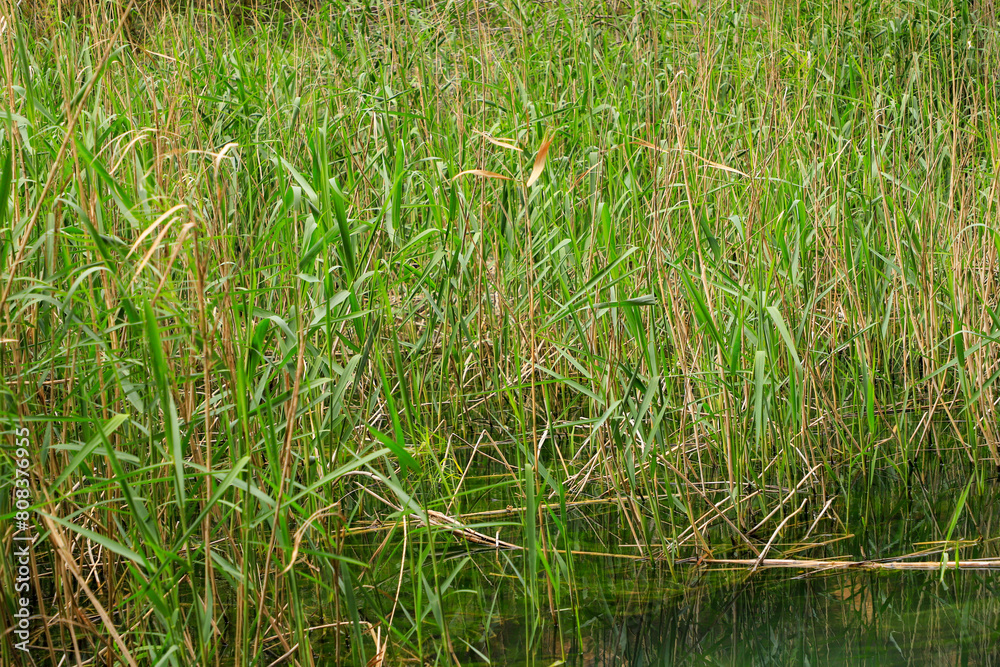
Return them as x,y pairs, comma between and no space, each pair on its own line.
628,612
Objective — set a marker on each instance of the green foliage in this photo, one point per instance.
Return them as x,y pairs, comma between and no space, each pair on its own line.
310,296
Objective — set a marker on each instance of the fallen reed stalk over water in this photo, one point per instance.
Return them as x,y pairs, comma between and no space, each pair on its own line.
801,564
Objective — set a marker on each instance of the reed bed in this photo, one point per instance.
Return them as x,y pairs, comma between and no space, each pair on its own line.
306,305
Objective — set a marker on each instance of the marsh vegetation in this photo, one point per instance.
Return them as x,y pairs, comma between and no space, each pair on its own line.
383,333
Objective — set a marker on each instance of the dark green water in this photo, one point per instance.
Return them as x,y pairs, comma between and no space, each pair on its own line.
615,611
770,618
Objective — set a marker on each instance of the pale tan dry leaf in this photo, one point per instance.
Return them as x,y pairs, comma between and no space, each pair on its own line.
539,167
156,223
646,144
716,165
584,175
484,174
708,163
140,134
301,532
222,153
378,659
503,142
149,254
173,256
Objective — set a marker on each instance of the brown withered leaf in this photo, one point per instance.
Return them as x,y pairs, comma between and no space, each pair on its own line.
539,167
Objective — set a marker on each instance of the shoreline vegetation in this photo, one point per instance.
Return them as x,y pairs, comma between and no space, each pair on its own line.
343,315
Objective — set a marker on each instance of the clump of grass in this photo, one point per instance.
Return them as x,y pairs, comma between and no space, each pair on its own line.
419,263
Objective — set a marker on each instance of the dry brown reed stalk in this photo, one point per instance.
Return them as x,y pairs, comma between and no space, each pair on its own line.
69,562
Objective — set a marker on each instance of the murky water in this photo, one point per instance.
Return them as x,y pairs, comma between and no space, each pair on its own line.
770,618
611,609
617,611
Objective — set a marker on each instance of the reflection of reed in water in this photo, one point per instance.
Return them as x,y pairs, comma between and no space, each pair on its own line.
841,618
